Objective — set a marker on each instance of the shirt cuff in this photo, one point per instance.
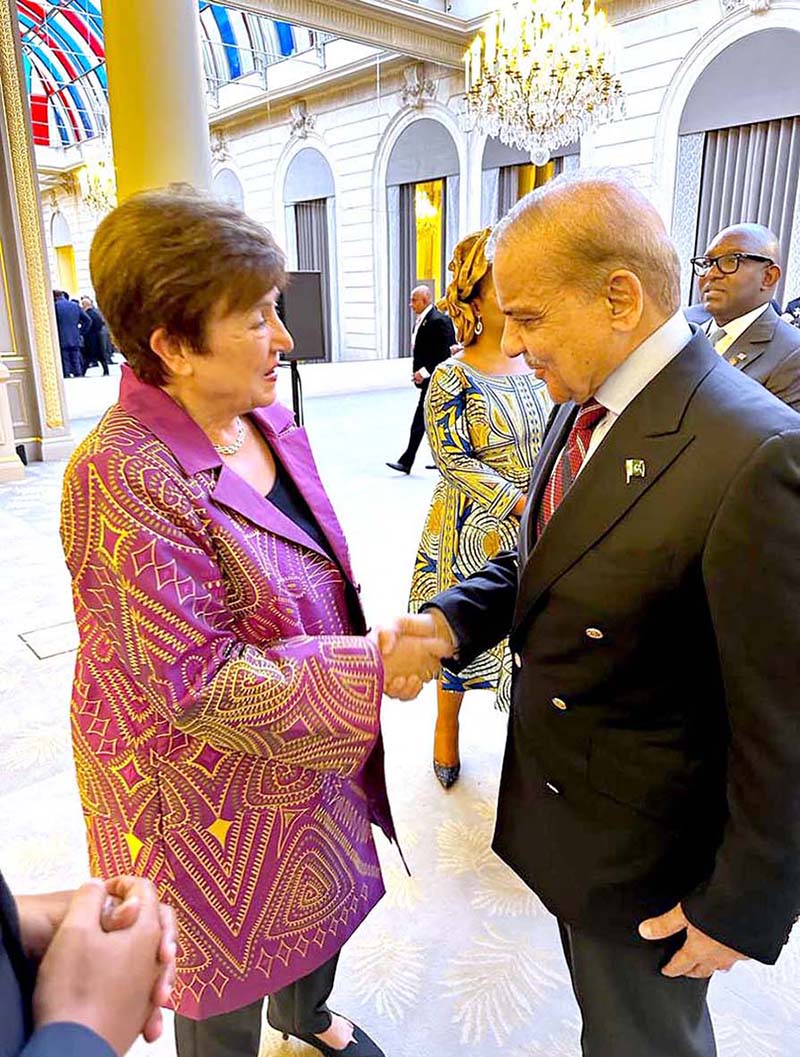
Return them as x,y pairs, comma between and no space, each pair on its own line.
66,1040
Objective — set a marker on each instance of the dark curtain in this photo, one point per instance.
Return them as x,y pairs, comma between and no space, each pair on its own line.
507,189
407,267
311,225
749,175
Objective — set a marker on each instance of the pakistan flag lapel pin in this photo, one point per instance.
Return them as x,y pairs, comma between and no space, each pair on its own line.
634,468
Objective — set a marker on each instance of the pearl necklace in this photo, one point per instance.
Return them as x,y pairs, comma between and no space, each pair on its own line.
232,449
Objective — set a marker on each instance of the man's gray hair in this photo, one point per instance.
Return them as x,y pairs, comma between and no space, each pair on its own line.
594,222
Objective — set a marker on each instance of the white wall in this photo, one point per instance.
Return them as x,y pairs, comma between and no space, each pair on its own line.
355,124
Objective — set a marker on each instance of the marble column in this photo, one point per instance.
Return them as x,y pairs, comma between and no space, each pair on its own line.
156,93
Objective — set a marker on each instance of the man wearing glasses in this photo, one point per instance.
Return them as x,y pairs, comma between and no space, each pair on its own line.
738,276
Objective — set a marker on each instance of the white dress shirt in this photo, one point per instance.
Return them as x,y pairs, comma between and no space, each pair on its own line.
629,379
735,328
418,323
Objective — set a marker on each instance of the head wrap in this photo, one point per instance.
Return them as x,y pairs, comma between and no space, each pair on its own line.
469,265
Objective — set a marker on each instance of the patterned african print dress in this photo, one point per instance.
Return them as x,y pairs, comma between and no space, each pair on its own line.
484,431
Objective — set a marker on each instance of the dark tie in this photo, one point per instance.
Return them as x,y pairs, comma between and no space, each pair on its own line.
569,461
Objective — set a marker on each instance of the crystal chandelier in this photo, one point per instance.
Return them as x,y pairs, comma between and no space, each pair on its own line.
541,73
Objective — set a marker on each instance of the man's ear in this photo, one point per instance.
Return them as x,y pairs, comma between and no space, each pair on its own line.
772,276
171,352
624,299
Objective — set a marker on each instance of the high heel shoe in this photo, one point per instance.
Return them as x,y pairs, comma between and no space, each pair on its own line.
361,1045
448,776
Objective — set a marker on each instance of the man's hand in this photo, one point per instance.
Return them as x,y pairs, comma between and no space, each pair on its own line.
103,980
121,909
40,917
417,377
700,956
412,649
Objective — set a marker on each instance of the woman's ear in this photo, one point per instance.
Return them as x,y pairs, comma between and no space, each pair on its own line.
171,352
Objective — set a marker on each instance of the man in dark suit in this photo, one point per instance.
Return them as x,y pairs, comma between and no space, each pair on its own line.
83,973
431,339
650,791
72,323
738,275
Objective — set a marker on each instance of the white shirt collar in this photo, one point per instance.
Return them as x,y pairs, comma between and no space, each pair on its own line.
625,383
738,326
422,315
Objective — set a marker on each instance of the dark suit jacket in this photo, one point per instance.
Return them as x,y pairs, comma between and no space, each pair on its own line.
16,990
769,351
653,752
72,323
432,344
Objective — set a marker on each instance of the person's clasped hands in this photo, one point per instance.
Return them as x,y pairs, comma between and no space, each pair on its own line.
412,649
106,958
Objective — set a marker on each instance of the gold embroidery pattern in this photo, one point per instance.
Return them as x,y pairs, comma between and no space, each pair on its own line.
222,709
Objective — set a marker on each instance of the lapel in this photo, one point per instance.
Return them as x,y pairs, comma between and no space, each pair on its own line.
651,429
421,327
156,410
555,436
290,445
753,342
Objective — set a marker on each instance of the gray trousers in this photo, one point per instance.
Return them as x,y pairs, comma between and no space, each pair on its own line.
299,1009
628,1008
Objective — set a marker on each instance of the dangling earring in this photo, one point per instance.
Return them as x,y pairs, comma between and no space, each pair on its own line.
479,327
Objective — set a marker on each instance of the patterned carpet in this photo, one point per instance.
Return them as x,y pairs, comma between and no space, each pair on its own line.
460,958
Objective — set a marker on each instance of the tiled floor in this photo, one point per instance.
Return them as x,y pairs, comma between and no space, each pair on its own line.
459,958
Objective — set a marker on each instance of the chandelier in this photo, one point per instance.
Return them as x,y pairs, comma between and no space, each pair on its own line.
541,73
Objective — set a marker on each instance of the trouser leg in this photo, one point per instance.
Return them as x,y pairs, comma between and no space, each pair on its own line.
301,1008
629,1009
236,1034
417,430
76,363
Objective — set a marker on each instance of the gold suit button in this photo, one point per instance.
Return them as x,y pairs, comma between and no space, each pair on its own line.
517,661
562,705
594,633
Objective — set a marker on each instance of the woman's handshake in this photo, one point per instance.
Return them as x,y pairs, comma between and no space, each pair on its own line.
412,649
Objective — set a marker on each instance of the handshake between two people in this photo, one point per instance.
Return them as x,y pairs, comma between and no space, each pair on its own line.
412,649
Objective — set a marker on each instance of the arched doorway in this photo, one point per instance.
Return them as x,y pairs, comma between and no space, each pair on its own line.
422,189
309,198
739,148
508,173
66,269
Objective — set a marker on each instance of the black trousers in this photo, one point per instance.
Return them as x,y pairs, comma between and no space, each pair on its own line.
299,1009
417,429
628,1008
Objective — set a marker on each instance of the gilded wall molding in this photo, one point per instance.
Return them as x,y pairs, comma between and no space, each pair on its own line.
23,179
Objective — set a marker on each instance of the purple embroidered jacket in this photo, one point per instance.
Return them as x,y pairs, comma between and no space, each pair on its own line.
225,710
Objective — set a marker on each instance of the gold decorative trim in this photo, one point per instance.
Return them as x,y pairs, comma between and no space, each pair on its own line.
27,200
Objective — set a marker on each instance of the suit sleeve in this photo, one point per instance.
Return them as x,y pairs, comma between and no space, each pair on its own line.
452,446
66,1040
751,569
480,610
146,574
784,382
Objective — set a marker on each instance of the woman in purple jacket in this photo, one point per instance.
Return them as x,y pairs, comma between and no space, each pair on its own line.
226,703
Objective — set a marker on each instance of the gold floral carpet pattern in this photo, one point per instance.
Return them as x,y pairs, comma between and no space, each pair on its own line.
459,958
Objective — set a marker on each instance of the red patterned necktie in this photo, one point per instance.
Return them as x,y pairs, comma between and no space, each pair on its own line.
569,461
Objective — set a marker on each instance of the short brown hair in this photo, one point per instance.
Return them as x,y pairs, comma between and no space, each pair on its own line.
169,258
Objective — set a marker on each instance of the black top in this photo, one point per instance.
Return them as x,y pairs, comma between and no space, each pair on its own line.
286,496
